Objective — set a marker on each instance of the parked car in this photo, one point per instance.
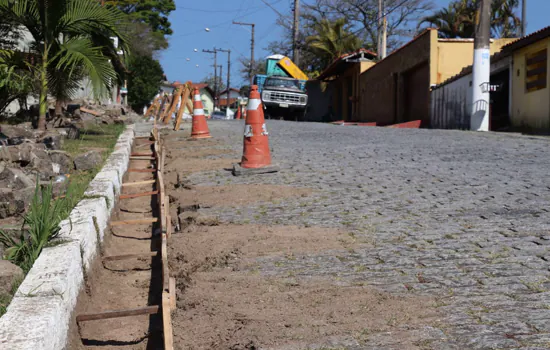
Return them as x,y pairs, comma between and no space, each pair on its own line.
221,115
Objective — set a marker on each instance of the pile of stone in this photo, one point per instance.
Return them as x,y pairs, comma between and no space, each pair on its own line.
86,113
28,155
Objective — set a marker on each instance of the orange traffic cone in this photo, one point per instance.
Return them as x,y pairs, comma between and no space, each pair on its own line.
256,156
200,128
238,112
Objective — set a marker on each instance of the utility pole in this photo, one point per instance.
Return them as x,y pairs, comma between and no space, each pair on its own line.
382,29
228,72
479,119
524,18
295,31
251,68
215,52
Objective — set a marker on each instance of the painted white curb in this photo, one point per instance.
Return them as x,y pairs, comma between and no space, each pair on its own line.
39,315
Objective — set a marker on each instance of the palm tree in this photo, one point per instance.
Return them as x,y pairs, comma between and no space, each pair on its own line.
458,19
66,34
332,39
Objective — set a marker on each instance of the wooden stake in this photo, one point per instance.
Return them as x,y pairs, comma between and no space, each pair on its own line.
173,293
175,99
136,195
134,221
185,98
147,310
167,323
138,183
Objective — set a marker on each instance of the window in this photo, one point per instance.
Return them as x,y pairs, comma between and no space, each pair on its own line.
535,70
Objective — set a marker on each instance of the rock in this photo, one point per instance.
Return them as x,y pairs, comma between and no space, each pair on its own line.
88,160
25,152
12,131
14,202
44,168
53,141
9,275
62,162
15,179
73,132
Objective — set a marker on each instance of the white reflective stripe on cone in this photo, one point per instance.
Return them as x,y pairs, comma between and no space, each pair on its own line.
197,97
264,130
253,104
248,131
198,112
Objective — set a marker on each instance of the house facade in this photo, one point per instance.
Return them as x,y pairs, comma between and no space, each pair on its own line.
397,89
519,89
339,93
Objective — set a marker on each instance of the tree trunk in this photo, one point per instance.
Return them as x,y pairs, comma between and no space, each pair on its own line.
58,107
43,92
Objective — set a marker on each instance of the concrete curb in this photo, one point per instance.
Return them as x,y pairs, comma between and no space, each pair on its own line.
39,315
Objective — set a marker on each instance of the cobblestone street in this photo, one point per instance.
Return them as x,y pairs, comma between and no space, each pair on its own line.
455,215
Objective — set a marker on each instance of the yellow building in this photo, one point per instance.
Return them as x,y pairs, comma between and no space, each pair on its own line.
530,85
397,88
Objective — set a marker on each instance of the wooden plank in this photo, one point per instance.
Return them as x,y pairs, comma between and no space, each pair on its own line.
168,216
89,111
147,310
142,138
165,270
138,183
161,108
141,158
134,221
175,99
173,293
129,256
538,57
136,195
152,107
167,108
167,323
186,94
132,170
137,154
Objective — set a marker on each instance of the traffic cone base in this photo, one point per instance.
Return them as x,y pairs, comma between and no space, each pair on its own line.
256,155
200,127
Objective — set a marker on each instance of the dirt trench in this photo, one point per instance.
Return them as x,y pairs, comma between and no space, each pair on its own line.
240,286
124,284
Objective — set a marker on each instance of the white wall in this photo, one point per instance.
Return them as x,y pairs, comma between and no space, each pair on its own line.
450,104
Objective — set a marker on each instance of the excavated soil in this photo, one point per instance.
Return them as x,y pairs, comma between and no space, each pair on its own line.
124,284
233,294
209,196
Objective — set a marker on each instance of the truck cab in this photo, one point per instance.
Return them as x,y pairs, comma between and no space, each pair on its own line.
283,98
282,89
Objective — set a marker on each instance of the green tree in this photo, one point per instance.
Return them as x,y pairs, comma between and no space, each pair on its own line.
331,40
211,82
72,39
258,68
154,13
458,19
144,81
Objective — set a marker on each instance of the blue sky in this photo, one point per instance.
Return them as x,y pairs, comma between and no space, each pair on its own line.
191,17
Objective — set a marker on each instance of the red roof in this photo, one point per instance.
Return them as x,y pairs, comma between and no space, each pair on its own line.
527,40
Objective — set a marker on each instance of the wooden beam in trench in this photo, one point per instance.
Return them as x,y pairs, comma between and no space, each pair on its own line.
147,310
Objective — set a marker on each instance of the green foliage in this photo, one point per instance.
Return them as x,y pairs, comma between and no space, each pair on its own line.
154,13
15,78
458,19
146,75
258,68
71,39
331,40
212,83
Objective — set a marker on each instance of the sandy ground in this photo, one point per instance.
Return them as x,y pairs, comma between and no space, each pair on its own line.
125,284
236,288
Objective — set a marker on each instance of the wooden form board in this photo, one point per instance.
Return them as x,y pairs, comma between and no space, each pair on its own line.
147,310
